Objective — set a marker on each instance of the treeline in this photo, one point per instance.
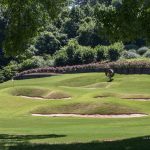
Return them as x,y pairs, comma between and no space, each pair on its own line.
73,38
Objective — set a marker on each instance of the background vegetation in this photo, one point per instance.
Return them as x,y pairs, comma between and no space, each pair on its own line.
75,37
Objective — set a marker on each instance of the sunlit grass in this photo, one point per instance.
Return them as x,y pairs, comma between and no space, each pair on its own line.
84,89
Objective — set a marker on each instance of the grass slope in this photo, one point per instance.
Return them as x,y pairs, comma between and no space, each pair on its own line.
16,119
38,93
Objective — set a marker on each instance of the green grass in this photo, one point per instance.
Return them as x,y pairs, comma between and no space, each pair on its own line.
38,93
90,94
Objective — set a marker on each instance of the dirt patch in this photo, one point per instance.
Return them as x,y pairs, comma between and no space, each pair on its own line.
92,116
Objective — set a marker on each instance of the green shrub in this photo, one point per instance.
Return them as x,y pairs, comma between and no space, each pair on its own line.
113,54
34,62
61,58
129,55
2,78
147,54
88,55
132,51
49,60
131,46
27,54
71,48
100,53
142,50
73,54
114,51
10,70
78,57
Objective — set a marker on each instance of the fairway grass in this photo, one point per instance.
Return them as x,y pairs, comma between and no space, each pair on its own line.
89,94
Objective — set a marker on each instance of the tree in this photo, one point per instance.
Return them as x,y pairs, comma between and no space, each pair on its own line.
88,34
47,43
92,2
127,21
2,28
3,60
25,19
72,24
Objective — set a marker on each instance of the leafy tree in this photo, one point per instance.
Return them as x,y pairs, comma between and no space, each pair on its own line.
25,19
72,24
62,38
127,22
88,34
70,28
28,54
92,2
47,43
88,11
2,28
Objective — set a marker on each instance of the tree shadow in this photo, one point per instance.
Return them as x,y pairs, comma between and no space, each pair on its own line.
139,143
8,141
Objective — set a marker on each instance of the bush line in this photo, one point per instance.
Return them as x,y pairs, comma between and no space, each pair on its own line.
121,67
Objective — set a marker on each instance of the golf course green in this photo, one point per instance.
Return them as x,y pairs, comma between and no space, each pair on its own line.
79,94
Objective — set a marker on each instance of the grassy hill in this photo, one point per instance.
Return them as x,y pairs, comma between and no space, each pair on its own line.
87,93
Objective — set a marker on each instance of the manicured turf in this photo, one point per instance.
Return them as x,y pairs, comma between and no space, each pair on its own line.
90,94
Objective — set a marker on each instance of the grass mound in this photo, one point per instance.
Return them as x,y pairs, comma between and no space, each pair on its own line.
136,96
105,95
39,93
57,95
124,96
86,109
83,80
98,85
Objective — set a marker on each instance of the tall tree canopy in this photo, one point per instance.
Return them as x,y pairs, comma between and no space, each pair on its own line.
92,2
25,18
128,20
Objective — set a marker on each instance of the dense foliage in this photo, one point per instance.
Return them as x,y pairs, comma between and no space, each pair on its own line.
126,20
77,36
25,19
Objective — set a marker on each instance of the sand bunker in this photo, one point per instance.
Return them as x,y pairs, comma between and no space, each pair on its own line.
138,99
40,98
92,116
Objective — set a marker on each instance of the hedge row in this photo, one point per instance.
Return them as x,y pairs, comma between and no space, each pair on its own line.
94,67
131,67
122,67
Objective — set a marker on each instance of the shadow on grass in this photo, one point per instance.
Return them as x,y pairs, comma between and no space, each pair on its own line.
10,141
139,143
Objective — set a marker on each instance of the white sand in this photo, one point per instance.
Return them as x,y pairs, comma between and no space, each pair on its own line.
40,98
92,116
32,97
